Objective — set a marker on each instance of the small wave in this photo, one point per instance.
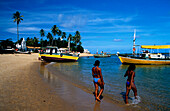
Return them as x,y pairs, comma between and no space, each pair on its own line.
136,101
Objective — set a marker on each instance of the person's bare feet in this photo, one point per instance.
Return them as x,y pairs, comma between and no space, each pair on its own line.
127,104
97,99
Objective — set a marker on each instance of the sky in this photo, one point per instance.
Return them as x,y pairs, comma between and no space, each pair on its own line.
104,25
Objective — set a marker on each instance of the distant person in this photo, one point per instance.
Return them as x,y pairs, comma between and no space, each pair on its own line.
130,84
98,80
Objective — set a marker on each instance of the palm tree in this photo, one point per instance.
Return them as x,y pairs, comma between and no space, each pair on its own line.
77,37
54,30
42,33
35,42
59,32
70,37
63,35
50,37
32,42
17,18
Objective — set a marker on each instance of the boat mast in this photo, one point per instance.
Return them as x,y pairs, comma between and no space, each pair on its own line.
134,42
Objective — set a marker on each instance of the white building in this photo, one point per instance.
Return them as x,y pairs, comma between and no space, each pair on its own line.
86,51
22,46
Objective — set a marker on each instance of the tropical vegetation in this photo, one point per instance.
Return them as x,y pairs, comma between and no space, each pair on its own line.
63,40
54,38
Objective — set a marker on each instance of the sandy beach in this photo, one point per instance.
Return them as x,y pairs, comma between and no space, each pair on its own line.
85,55
22,88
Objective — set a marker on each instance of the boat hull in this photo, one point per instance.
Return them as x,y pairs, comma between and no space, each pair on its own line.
129,60
58,58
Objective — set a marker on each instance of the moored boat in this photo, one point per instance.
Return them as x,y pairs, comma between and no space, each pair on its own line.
146,57
52,54
101,55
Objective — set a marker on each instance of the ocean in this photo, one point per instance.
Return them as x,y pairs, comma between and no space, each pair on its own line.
152,81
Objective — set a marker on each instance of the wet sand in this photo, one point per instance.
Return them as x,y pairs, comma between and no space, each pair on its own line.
22,87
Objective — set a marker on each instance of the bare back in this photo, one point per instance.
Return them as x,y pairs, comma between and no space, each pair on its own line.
96,72
131,75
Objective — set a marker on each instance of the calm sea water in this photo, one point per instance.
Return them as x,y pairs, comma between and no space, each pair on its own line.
152,81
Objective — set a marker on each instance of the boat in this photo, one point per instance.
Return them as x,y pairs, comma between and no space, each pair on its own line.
7,51
53,54
101,55
22,52
146,57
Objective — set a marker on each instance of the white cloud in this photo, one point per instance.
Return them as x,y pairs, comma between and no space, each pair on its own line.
117,40
22,29
126,19
72,21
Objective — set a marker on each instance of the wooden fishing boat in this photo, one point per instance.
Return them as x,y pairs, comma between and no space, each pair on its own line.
146,57
52,54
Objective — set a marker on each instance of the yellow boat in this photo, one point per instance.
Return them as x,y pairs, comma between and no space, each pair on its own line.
146,57
52,54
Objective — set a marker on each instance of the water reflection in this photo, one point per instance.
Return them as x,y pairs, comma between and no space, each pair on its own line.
153,85
65,66
52,79
152,81
123,66
45,73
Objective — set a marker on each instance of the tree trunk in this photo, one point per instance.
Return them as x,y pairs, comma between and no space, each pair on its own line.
17,33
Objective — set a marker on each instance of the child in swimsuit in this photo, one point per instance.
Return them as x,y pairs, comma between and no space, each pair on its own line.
130,82
97,79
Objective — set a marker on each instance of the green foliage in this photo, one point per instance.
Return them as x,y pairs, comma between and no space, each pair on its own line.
77,48
42,33
74,40
54,30
80,49
50,37
17,17
29,42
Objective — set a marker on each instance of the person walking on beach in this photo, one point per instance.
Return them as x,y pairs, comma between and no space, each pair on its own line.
98,80
130,84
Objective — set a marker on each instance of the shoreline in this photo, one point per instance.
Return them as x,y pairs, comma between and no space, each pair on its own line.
22,87
112,104
79,98
85,55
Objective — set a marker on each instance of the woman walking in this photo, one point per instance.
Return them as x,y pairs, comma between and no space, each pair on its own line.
98,80
130,84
